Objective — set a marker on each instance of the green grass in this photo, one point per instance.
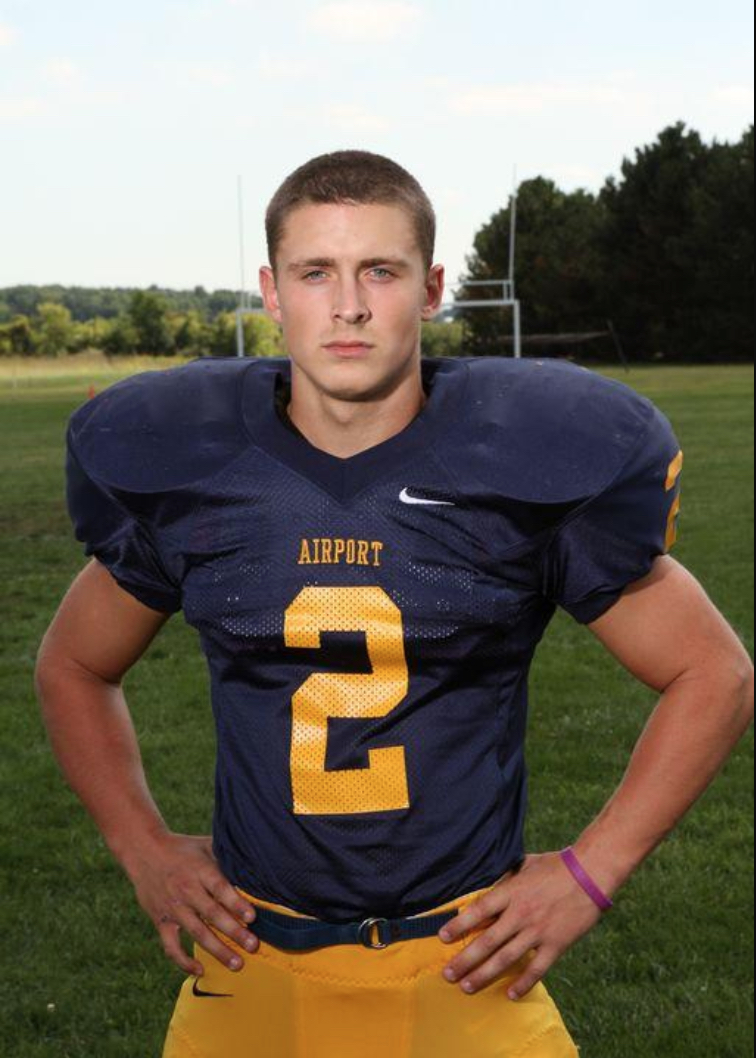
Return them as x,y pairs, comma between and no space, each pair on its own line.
667,975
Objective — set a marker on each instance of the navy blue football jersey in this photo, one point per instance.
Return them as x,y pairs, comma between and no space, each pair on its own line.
369,623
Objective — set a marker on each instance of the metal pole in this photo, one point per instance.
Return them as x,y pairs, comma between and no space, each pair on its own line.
618,344
513,234
517,330
512,251
243,291
240,333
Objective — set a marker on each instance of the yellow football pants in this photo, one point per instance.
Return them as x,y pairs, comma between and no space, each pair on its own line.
347,1001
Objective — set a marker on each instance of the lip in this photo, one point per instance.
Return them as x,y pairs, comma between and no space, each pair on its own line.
349,350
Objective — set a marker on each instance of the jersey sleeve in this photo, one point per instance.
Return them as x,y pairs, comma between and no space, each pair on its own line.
612,540
119,539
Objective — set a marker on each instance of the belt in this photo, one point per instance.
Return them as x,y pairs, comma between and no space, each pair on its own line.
301,934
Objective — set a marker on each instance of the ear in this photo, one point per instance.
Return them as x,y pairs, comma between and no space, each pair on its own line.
434,292
269,292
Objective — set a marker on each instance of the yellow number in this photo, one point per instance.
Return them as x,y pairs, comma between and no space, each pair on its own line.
382,786
675,469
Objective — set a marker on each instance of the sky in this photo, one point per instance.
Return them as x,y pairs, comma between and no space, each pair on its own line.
124,127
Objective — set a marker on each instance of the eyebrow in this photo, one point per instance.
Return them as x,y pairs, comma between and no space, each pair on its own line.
330,262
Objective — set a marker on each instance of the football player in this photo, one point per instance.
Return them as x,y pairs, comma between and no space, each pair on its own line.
371,546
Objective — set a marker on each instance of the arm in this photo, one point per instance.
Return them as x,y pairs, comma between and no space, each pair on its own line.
98,634
667,633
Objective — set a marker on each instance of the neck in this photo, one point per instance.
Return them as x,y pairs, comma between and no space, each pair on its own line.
344,428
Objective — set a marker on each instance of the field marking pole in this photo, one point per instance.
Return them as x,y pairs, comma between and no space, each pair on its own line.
513,234
517,315
240,351
517,330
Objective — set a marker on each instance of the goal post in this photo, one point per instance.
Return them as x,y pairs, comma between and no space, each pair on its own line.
508,296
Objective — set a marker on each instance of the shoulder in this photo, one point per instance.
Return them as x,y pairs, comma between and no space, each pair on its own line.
549,431
162,429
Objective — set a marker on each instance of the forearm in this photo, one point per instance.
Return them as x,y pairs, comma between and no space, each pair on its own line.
93,739
698,721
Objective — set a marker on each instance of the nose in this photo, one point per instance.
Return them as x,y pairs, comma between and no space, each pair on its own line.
349,303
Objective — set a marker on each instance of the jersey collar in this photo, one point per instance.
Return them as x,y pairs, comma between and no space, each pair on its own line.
443,380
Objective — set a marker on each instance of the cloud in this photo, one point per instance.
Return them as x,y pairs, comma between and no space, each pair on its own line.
507,100
63,72
355,120
736,95
583,176
215,75
282,68
8,35
20,108
365,21
205,74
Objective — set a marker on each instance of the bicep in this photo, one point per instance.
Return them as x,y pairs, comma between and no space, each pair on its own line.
665,625
100,628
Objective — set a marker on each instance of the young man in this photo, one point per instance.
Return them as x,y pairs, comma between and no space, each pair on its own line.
371,547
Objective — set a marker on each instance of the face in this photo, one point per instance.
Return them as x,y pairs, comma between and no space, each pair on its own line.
352,274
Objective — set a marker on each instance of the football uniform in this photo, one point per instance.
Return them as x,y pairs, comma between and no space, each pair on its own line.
369,623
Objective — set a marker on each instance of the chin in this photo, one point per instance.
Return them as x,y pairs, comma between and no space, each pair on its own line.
356,382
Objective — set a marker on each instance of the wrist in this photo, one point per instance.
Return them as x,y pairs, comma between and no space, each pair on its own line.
133,851
593,891
606,864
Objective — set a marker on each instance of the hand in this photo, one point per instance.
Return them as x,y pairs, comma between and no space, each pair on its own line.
540,908
179,885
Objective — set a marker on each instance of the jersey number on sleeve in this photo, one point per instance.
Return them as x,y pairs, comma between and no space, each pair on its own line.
675,469
382,786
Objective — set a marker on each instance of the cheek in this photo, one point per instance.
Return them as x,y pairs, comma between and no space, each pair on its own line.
401,328
305,316
399,313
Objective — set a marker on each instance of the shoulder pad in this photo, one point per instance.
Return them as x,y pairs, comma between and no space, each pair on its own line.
162,430
549,431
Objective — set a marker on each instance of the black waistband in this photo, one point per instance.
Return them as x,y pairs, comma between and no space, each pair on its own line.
302,934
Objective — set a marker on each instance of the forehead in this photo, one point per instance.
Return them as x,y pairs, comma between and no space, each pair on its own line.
348,232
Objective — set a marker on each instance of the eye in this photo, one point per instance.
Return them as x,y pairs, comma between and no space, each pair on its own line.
385,272
311,274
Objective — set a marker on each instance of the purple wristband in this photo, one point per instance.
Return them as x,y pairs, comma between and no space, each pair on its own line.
584,880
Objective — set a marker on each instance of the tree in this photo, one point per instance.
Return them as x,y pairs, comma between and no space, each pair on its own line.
679,248
17,337
262,336
191,335
558,265
121,337
91,334
720,241
55,329
442,339
148,313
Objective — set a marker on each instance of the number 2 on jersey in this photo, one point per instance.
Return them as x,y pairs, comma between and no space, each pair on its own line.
382,786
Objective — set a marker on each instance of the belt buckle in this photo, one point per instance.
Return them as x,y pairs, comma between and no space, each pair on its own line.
365,933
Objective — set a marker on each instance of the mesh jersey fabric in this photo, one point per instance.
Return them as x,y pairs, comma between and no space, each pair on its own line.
369,624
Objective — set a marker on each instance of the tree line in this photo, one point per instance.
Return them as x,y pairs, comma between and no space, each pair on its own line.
148,325
88,303
664,252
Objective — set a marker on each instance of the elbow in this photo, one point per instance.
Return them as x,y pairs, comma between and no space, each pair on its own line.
737,680
56,673
43,669
747,694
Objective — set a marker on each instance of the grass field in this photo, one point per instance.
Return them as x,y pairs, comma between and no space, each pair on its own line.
667,974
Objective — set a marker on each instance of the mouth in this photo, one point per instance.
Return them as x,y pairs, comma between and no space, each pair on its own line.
349,350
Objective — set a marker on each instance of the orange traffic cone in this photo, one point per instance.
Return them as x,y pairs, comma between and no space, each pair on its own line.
92,392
